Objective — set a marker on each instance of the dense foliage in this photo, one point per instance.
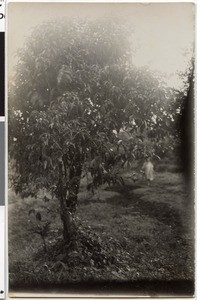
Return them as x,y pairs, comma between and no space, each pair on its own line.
74,99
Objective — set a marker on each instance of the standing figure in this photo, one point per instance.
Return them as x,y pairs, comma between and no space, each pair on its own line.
148,169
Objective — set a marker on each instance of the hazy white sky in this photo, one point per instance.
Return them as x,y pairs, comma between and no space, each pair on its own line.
162,32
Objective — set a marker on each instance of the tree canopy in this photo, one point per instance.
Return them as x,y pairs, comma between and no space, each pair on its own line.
74,92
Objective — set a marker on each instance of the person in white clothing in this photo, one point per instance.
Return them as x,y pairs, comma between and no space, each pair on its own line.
148,169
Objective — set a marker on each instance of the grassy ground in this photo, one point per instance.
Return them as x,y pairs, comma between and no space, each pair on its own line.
147,230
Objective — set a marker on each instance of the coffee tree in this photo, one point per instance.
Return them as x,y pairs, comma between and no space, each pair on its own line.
74,91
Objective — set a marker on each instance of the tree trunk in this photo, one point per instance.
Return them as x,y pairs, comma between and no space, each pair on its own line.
67,196
66,220
64,213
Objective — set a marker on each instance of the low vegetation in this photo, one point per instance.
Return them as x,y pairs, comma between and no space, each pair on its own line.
129,233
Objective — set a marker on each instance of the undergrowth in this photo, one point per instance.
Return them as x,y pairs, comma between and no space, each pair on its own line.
128,233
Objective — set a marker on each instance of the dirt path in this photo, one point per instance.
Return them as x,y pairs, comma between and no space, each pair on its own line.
153,225
168,202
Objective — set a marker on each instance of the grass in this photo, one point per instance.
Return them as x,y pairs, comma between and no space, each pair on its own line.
138,233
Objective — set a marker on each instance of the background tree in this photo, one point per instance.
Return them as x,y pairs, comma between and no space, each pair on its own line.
74,92
186,123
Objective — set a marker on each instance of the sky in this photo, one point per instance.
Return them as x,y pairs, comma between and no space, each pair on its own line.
161,33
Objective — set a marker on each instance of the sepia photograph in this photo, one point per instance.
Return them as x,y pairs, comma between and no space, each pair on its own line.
100,149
